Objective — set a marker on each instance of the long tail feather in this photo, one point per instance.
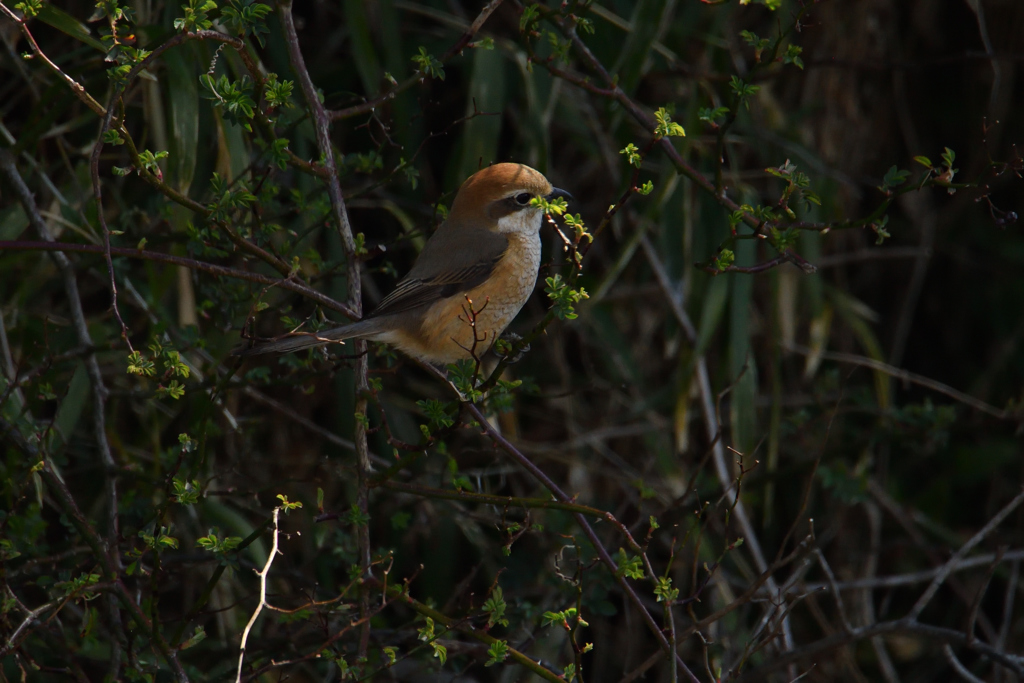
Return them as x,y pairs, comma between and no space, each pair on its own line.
306,340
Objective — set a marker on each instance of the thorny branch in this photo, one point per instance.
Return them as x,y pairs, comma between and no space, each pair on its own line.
322,122
99,389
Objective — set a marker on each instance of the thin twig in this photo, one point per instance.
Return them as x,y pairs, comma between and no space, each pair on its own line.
31,617
69,507
958,666
901,626
840,605
602,552
263,595
191,264
947,568
99,389
711,424
322,123
906,376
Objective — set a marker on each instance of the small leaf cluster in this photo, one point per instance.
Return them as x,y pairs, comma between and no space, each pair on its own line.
552,207
944,176
630,566
428,65
792,56
529,17
893,178
559,48
355,516
723,260
495,607
235,97
563,619
439,413
77,587
633,155
427,635
276,92
460,482
159,540
227,198
173,366
216,544
29,8
501,397
245,18
579,227
763,214
497,653
797,187
185,492
463,376
713,117
196,16
755,41
664,591
288,505
743,90
149,162
563,297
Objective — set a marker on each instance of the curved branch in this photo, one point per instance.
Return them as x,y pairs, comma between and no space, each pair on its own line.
192,264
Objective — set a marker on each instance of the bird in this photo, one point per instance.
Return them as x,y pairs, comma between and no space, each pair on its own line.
470,280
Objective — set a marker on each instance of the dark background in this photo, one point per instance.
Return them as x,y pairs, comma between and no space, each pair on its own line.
896,475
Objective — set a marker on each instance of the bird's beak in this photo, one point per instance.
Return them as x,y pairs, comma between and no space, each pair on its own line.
555,192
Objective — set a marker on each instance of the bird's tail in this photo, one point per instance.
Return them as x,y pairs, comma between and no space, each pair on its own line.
306,340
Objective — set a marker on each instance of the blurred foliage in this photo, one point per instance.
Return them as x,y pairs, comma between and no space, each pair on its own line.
828,191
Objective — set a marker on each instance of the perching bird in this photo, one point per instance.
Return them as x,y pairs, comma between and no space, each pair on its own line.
487,252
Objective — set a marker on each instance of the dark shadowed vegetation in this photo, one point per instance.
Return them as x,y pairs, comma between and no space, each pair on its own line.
766,418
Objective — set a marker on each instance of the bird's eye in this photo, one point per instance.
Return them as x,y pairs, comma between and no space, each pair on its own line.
523,198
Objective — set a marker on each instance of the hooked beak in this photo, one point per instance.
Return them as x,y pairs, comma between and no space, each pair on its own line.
555,192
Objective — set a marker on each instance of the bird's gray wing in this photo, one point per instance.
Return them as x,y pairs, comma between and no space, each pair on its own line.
454,260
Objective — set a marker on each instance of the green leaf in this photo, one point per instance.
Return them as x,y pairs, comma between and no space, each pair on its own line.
183,117
629,566
495,608
792,56
497,653
363,53
948,157
646,23
712,116
67,24
531,14
666,126
632,153
894,178
486,93
743,90
198,636
428,64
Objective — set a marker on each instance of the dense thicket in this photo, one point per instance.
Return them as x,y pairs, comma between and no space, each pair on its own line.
768,408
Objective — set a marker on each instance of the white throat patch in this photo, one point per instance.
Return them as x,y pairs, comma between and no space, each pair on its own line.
526,222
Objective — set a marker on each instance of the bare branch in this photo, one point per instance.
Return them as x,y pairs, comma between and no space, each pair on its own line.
947,568
263,574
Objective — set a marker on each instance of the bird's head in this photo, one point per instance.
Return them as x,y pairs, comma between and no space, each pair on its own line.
500,196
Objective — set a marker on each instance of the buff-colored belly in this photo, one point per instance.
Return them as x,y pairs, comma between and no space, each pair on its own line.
465,326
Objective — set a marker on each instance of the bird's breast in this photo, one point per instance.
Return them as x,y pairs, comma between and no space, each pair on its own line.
467,324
